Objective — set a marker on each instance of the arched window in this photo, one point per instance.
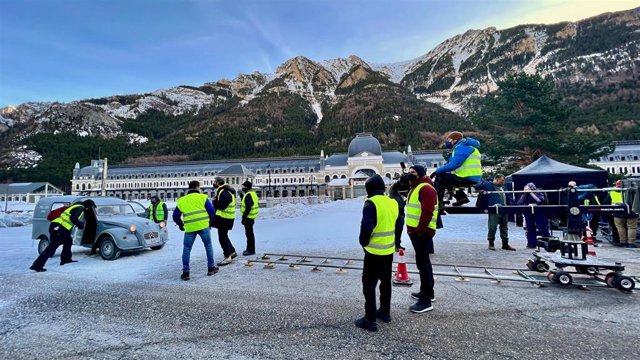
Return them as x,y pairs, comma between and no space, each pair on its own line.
343,176
83,187
327,178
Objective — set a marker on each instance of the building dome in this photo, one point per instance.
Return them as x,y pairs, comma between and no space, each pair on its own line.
364,142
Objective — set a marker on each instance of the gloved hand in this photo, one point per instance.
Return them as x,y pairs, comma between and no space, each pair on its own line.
80,226
181,227
433,175
244,221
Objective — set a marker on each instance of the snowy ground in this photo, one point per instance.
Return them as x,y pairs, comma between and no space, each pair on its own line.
137,307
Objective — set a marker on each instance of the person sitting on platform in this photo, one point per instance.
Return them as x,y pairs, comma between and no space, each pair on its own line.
463,169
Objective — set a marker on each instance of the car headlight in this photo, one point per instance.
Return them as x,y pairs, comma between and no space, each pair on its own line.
162,224
132,228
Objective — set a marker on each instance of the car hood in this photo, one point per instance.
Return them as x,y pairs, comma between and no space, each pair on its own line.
126,221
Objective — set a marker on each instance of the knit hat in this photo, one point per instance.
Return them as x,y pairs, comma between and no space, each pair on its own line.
572,184
247,184
419,170
374,184
455,135
530,186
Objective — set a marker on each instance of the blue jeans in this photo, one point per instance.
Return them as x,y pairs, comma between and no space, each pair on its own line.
189,239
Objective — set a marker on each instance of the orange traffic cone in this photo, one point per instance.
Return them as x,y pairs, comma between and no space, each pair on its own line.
402,275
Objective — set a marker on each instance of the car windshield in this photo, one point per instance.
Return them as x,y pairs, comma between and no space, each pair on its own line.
114,210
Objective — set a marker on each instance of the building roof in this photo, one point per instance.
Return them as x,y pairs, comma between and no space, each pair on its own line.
364,142
236,169
25,188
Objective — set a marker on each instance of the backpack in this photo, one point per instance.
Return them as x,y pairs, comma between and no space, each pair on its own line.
54,214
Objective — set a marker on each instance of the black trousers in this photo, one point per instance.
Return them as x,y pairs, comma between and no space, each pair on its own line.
225,242
423,246
251,238
58,235
376,268
448,181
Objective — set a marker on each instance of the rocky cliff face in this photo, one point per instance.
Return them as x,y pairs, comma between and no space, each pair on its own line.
593,60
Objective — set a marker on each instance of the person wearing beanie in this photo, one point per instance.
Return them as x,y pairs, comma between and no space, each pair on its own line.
497,197
537,223
380,222
421,218
464,168
225,205
157,210
249,211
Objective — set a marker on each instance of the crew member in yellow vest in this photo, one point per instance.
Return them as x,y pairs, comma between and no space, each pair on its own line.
157,210
194,215
421,218
626,223
463,169
249,211
378,228
60,234
225,204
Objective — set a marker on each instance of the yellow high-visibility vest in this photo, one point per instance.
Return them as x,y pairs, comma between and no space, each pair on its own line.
230,211
471,165
65,218
414,209
160,215
253,213
383,240
194,212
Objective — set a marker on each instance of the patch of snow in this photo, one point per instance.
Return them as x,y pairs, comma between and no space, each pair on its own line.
315,105
137,139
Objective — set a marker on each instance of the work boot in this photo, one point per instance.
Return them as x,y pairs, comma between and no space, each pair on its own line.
491,246
461,198
507,247
37,269
212,270
366,324
225,261
185,276
248,253
67,262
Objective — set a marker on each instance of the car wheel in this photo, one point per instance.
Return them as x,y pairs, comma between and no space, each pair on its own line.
44,242
157,247
108,249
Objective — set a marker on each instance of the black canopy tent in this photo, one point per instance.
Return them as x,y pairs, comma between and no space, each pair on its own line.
549,174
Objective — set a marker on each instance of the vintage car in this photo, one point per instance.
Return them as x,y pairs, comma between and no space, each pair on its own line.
112,227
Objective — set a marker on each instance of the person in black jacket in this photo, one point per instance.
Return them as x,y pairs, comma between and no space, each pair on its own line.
60,234
379,218
249,211
225,205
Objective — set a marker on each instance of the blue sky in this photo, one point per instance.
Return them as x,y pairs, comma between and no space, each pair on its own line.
64,50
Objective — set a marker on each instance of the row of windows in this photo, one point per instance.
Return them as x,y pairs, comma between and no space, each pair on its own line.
197,173
171,195
624,170
623,158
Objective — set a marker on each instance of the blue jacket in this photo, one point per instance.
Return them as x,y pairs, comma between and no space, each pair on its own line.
464,147
494,198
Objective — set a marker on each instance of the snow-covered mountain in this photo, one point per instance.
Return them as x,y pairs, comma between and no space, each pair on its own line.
590,59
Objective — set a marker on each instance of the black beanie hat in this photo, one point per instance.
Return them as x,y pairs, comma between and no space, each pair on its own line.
419,170
247,184
374,184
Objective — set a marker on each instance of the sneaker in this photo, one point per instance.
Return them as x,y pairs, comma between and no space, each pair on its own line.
507,247
491,247
37,269
248,253
419,308
67,262
385,318
233,255
212,270
363,323
225,261
185,276
416,296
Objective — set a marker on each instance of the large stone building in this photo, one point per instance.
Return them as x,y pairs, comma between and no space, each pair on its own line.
625,159
338,176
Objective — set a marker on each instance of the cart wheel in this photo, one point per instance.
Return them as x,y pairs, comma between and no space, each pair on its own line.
530,265
625,283
609,279
563,278
550,277
541,266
